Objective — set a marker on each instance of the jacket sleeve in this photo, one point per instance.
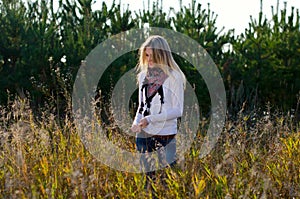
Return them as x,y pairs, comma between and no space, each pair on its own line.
138,115
177,101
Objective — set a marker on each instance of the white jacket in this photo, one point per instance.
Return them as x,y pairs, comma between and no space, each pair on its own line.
163,117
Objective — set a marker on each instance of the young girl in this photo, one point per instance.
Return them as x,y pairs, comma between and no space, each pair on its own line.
161,95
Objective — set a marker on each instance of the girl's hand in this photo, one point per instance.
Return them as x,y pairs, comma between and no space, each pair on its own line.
143,123
136,128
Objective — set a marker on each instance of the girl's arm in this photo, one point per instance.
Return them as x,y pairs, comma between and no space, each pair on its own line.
138,115
177,99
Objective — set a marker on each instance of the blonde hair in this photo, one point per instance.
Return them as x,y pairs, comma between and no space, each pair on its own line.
162,56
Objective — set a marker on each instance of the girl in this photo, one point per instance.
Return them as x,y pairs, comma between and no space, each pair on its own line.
161,95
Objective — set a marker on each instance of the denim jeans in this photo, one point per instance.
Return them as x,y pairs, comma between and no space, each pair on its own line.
165,149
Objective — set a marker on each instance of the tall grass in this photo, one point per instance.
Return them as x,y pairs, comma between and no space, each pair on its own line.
44,159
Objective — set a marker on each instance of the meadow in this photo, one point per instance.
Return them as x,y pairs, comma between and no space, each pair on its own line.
42,155
44,158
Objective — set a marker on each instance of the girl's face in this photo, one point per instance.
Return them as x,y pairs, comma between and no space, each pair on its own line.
149,57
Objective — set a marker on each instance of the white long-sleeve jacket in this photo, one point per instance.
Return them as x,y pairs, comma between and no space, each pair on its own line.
163,116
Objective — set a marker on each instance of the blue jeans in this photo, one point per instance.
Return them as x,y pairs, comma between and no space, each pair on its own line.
165,148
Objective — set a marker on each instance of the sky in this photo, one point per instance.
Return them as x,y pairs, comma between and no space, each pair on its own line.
231,13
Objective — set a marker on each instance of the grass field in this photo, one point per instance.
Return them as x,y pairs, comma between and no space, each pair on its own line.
44,159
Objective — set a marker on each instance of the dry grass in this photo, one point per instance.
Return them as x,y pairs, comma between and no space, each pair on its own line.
41,159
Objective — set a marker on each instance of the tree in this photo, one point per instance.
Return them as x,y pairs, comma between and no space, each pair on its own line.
266,64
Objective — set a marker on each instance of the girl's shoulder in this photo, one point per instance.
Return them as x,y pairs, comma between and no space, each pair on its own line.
176,75
141,76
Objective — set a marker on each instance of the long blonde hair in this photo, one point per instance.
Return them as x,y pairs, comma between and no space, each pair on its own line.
162,56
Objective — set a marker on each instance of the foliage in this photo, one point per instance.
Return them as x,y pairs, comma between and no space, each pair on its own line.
42,156
41,47
41,159
265,67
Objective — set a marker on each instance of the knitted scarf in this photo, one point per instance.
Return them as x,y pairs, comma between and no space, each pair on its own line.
155,77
